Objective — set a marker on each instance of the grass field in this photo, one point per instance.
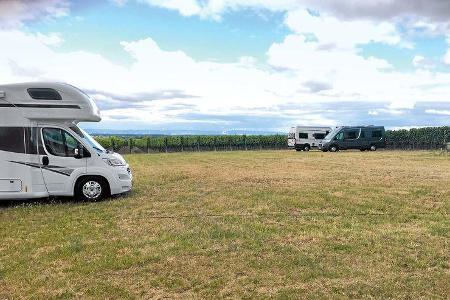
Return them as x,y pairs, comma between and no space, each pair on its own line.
242,225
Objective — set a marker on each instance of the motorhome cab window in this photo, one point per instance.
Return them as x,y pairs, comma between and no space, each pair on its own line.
59,142
88,139
302,135
44,94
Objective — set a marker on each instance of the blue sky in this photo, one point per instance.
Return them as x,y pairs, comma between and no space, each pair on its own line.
247,33
238,65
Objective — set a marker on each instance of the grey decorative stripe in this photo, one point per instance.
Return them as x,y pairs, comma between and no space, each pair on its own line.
41,105
56,169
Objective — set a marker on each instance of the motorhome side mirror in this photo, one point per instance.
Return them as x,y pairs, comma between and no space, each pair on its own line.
78,153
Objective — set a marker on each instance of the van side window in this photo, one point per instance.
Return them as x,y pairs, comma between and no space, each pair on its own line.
44,94
319,136
351,134
377,134
362,134
302,135
59,142
339,136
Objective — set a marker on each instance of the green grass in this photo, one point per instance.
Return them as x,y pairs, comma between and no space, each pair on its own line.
242,225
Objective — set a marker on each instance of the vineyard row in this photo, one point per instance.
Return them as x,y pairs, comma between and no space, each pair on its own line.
428,138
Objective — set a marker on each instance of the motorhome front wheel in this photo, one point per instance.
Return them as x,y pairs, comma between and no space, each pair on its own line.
91,189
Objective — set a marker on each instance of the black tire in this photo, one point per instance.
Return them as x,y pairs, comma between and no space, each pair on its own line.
334,148
306,148
298,149
373,148
362,149
91,188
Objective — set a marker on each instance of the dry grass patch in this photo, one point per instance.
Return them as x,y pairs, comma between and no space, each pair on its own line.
242,225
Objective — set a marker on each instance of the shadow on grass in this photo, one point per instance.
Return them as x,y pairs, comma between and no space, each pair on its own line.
56,201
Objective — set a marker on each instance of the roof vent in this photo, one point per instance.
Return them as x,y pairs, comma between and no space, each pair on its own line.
2,94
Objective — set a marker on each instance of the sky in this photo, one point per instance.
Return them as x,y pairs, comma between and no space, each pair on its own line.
247,65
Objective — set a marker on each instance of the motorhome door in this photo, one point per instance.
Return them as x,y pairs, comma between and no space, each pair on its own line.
59,161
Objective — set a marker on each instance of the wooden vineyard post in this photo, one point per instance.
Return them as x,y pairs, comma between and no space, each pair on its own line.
165,143
130,143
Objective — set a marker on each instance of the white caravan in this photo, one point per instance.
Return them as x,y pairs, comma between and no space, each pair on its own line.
306,137
44,153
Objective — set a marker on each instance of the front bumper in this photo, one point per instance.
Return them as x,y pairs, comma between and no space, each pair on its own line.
324,147
123,180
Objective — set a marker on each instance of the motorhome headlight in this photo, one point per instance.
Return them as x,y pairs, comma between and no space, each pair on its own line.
114,162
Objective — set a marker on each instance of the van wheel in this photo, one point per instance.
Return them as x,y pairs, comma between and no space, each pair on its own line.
91,189
334,148
373,148
362,149
298,149
306,148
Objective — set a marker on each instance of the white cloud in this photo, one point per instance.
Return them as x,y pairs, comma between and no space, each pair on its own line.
184,7
422,62
328,68
13,13
343,34
447,57
438,112
424,12
50,39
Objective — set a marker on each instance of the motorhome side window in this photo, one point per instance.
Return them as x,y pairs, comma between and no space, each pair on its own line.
59,142
32,136
377,134
12,139
302,135
319,136
44,94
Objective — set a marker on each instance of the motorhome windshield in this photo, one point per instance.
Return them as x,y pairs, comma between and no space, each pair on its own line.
88,139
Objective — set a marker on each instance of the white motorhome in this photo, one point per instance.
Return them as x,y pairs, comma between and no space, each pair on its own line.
306,137
44,153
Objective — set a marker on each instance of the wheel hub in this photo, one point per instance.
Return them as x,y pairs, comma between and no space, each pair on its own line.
92,190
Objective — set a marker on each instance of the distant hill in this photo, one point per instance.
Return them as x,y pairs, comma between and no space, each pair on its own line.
119,132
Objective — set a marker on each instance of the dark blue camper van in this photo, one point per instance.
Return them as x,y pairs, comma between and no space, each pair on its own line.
354,137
